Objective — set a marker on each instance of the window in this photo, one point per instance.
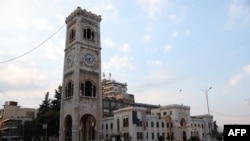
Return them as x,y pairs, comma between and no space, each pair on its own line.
112,104
139,123
72,35
183,122
118,124
162,124
111,126
69,89
88,89
126,136
105,103
139,136
164,113
153,136
172,136
125,122
157,124
163,135
159,115
152,124
88,34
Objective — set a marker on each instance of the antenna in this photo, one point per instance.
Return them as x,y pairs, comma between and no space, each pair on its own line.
103,74
109,76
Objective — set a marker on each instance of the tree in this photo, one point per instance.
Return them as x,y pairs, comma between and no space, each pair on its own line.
45,106
216,133
56,103
49,114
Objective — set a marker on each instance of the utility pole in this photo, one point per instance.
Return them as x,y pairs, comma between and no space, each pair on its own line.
206,94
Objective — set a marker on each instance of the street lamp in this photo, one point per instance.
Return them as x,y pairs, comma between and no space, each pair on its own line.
206,94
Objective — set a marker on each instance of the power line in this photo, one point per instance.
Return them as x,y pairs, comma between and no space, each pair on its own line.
34,47
229,115
5,94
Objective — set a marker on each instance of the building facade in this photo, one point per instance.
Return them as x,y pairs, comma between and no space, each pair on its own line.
125,119
171,122
132,123
81,101
12,118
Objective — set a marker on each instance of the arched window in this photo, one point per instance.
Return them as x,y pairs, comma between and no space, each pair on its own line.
183,122
88,34
87,89
72,34
69,90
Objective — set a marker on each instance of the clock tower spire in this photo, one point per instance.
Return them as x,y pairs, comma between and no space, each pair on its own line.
81,101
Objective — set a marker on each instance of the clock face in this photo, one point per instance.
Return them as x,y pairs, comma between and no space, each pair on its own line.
89,59
69,61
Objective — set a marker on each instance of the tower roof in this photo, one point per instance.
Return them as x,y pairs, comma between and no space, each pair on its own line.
83,12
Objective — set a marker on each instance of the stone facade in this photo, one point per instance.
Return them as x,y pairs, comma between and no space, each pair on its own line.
81,104
171,122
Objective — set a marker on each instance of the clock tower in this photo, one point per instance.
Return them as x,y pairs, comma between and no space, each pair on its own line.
81,101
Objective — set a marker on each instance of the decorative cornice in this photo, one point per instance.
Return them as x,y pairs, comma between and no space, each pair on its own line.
78,11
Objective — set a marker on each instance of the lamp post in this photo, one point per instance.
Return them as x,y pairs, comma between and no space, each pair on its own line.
206,94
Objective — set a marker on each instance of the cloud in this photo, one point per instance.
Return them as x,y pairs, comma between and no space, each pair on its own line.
113,12
125,48
108,11
188,32
52,51
147,37
108,42
155,80
151,7
168,48
155,63
175,34
238,13
247,69
119,63
236,79
41,24
21,76
179,17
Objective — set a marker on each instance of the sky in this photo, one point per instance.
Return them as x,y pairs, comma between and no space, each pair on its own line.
167,51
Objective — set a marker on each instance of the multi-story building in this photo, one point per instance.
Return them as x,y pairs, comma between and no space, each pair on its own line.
12,118
132,123
115,97
124,119
201,126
